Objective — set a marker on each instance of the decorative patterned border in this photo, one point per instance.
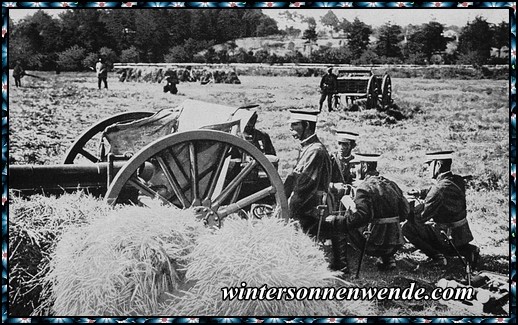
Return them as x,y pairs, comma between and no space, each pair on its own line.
512,163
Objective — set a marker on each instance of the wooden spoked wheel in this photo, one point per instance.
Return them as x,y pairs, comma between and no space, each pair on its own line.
372,93
337,102
386,91
85,148
203,170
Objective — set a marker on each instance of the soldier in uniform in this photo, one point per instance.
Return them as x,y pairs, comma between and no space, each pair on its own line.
372,220
102,73
328,87
257,137
308,183
445,204
171,82
341,163
18,74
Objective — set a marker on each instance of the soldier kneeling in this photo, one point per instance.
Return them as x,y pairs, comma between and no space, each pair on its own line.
372,220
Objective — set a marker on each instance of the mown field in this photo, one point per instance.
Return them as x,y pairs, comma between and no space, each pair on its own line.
468,116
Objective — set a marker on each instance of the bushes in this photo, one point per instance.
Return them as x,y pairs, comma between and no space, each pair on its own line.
130,55
72,59
450,72
76,58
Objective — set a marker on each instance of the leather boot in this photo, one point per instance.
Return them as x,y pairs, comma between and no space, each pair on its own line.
386,263
339,244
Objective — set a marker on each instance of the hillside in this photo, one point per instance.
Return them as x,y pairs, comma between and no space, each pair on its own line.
281,45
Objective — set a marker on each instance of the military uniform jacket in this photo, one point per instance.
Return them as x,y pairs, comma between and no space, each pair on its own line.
445,203
328,83
341,168
18,71
101,70
309,179
378,198
262,141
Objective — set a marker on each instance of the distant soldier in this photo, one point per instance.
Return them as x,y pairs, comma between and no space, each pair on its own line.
232,78
445,205
171,81
102,73
328,87
207,77
187,75
18,74
372,220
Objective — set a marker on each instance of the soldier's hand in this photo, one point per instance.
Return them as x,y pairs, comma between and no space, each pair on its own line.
413,192
330,218
337,188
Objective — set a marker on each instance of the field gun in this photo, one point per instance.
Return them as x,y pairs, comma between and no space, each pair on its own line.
362,83
186,157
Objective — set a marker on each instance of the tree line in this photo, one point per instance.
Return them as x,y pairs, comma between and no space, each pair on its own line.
427,43
77,38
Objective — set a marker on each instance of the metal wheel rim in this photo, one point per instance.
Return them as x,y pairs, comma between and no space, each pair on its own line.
157,148
77,147
371,92
386,91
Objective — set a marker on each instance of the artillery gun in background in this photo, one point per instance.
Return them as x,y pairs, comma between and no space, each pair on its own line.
362,83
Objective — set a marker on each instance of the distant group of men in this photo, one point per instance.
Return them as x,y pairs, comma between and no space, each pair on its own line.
368,211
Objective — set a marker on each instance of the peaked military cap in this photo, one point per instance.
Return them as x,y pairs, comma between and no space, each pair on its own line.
439,155
298,115
344,136
366,157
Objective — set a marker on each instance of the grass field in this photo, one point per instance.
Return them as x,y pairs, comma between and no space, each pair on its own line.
468,116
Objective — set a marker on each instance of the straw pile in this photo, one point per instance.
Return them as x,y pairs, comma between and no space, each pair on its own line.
35,224
280,71
162,261
123,263
269,252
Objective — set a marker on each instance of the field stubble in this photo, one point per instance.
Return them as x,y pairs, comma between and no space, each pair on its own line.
468,116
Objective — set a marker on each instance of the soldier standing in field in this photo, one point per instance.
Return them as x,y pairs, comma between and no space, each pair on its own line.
102,73
307,185
442,215
18,74
372,220
328,87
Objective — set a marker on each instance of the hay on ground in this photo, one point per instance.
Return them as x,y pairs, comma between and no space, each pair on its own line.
268,252
35,225
122,264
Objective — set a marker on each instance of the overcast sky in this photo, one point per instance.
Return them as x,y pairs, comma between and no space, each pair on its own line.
374,17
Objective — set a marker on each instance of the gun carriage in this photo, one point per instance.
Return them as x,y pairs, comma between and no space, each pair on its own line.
193,157
361,83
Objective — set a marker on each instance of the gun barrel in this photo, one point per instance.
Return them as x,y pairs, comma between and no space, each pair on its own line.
27,178
30,179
